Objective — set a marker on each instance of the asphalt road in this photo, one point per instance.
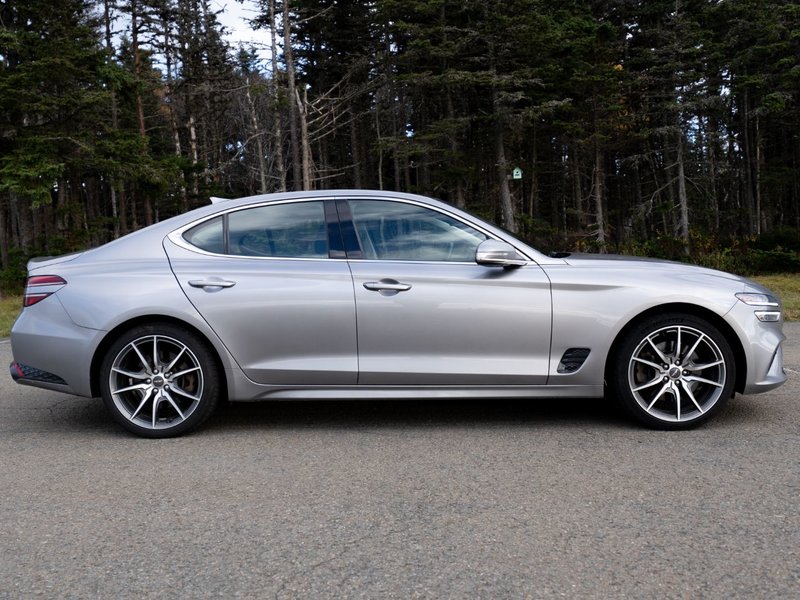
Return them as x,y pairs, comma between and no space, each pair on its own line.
401,500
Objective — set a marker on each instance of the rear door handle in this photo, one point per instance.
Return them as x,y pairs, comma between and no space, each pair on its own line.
387,285
211,282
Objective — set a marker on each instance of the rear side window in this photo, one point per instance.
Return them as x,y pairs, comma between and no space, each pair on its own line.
295,230
285,230
208,236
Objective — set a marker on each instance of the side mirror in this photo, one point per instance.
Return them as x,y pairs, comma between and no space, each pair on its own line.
494,253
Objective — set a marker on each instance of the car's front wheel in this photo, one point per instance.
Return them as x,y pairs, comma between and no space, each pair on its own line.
159,380
673,371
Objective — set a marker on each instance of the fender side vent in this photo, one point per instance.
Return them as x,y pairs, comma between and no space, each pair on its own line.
573,360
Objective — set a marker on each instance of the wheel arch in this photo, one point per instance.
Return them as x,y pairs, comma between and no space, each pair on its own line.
693,310
111,336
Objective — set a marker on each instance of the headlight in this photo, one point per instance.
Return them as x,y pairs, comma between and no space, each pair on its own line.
762,300
754,299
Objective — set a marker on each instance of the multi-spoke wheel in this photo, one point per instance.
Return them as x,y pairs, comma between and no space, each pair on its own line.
673,371
159,380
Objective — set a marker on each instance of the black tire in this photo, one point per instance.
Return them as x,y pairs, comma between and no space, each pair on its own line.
672,371
182,386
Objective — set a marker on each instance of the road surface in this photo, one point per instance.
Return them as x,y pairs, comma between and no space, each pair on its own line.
423,499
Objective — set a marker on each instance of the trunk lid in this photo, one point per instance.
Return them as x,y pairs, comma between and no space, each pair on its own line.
41,262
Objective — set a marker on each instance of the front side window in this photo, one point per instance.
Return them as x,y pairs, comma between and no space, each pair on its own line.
295,230
399,231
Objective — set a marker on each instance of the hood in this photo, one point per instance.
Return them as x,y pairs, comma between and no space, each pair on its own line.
616,261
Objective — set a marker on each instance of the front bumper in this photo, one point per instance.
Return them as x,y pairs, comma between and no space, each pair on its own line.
761,342
774,377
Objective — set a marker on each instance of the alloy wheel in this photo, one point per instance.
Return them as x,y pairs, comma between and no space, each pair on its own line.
677,373
156,382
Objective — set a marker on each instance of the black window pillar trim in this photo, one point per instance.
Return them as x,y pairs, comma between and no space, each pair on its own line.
336,244
351,244
226,235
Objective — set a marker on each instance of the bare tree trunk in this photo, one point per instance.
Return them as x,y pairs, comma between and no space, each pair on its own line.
711,141
355,150
294,135
533,196
398,170
396,101
20,222
193,150
577,187
37,225
451,113
597,193
114,114
637,177
169,92
506,203
379,142
61,206
306,144
262,163
758,166
137,72
748,164
211,146
400,166
683,200
461,200
137,65
424,174
278,146
674,226
90,208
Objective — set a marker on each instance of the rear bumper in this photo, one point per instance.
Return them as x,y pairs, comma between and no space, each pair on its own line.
50,351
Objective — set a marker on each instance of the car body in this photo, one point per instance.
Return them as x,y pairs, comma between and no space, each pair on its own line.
367,294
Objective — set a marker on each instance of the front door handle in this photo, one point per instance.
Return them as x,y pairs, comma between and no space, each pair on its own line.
211,282
387,285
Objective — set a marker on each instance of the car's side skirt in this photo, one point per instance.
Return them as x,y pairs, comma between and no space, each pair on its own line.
418,392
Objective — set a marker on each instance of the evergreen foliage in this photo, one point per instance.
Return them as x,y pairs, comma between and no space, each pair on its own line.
665,127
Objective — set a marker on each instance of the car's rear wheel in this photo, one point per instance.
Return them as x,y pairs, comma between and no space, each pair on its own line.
673,371
159,380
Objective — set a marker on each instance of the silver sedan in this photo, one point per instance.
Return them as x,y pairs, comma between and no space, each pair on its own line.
362,294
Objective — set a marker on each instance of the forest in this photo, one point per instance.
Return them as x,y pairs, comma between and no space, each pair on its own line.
667,128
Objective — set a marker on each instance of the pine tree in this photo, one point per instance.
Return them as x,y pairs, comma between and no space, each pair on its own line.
52,110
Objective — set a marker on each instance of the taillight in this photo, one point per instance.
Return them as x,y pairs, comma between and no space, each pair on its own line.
40,287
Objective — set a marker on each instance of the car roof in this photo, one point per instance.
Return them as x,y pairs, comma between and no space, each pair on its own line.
321,194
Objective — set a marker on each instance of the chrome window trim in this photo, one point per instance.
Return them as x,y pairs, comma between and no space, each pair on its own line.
476,226
411,262
176,236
